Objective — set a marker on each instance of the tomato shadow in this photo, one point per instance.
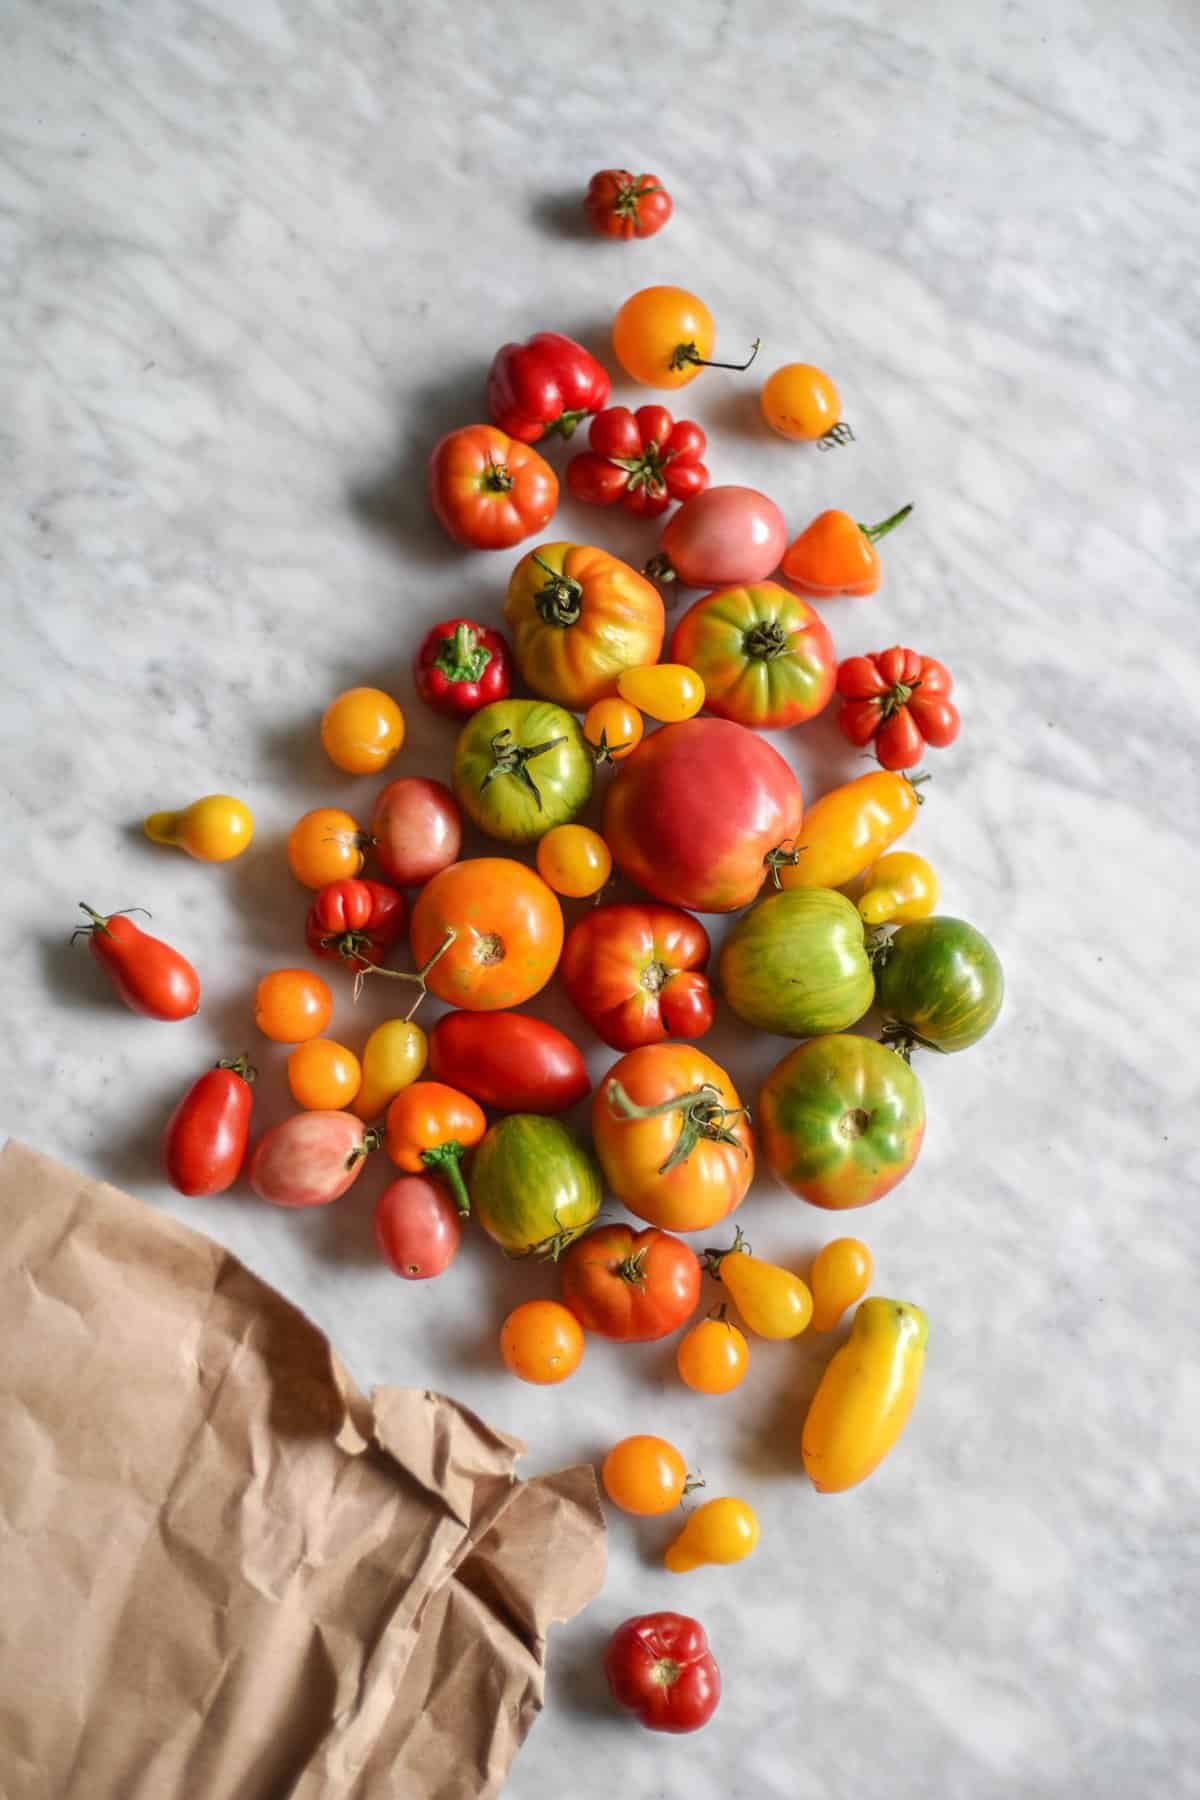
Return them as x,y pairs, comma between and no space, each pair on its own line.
562,215
733,409
71,974
578,1679
769,1440
268,905
133,1160
345,1231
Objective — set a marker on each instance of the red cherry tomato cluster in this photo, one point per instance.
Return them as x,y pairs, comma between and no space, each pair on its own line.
644,459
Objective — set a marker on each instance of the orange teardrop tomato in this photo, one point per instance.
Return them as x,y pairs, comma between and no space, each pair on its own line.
800,402
292,1005
836,555
614,729
541,1342
712,1358
574,860
578,617
669,692
644,1475
505,932
362,730
672,1137
326,845
323,1076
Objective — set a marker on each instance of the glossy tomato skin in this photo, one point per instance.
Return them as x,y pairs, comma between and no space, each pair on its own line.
507,930
356,920
764,656
417,830
150,977
692,814
521,767
662,336
309,1159
841,1120
460,667
636,973
623,205
797,964
488,490
508,1061
631,1286
535,1185
848,828
578,617
659,1666
418,1227
939,982
545,386
204,1143
721,537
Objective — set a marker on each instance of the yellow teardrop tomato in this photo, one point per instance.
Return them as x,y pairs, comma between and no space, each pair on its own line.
644,1475
323,1076
840,1275
574,861
212,830
866,1395
720,1531
849,828
897,889
394,1056
774,1302
362,730
712,1358
669,692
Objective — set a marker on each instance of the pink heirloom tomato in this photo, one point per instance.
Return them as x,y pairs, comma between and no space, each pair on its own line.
310,1159
721,537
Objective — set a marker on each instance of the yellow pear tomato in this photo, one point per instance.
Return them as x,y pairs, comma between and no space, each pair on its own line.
394,1056
897,889
669,692
721,1531
849,828
866,1395
214,829
774,1302
840,1276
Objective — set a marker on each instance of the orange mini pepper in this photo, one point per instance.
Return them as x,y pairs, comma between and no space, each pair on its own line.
836,555
430,1127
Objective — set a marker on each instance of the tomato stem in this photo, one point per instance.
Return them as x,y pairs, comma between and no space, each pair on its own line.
417,975
659,568
510,758
836,435
765,641
873,533
782,857
239,1065
371,1141
100,920
685,354
701,1109
560,601
604,752
445,1160
497,478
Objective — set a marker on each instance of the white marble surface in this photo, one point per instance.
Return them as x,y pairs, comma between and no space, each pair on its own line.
256,255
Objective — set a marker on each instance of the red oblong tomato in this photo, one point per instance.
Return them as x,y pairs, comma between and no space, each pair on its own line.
416,828
694,813
659,1666
150,977
632,1286
204,1142
418,1227
508,1061
489,490
764,655
636,973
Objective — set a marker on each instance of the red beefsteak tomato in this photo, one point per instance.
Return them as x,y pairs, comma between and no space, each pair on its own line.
632,1286
636,973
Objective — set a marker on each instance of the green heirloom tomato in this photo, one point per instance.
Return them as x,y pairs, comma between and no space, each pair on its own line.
534,1185
521,767
796,964
840,1120
938,983
765,657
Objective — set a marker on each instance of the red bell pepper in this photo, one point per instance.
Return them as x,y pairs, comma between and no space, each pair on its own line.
462,666
546,385
899,699
644,459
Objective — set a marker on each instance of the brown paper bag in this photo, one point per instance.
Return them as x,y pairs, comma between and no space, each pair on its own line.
224,1573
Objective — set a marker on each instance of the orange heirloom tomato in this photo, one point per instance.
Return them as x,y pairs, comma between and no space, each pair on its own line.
801,402
292,1005
326,845
672,1137
541,1342
362,730
489,490
645,1475
614,729
578,617
506,930
574,860
663,337
840,1275
323,1076
835,555
712,1358
669,692
430,1127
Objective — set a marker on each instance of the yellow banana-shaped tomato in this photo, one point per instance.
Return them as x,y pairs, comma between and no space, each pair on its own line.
899,888
865,1396
848,829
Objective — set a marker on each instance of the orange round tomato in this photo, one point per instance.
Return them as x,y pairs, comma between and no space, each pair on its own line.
292,1005
326,845
489,490
672,1136
323,1076
574,860
541,1342
614,729
644,1475
578,617
362,730
502,928
663,336
712,1358
800,402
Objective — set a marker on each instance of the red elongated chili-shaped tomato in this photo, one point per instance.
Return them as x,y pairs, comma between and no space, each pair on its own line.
508,1061
310,1159
204,1143
150,977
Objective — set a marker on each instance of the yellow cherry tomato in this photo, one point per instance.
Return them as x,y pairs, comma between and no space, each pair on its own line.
541,1342
574,860
840,1275
644,1475
720,1531
866,1395
395,1054
326,845
849,828
362,730
323,1076
292,1005
613,728
669,692
712,1358
800,402
212,830
663,336
899,888
774,1302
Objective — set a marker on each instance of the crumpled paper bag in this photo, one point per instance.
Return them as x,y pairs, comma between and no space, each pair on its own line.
225,1574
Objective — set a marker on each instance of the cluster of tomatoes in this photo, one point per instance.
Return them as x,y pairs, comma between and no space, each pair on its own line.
701,815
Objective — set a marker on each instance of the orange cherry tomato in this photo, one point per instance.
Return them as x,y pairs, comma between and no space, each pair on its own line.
323,1076
663,337
505,931
801,402
541,1342
840,1275
430,1127
644,1475
669,692
712,1358
614,729
292,1005
574,860
326,845
362,730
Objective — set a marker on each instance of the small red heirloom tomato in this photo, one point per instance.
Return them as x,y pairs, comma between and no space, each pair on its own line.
660,1667
644,459
901,701
460,667
310,1159
632,1286
418,1227
489,490
356,920
150,977
622,205
544,386
204,1143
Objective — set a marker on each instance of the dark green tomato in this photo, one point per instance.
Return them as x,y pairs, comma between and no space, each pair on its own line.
521,767
796,964
840,1120
939,983
534,1185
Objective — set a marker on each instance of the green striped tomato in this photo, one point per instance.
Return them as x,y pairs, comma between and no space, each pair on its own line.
521,767
796,964
938,983
840,1120
534,1185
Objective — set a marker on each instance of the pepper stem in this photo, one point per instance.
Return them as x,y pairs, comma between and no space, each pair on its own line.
566,422
685,354
873,533
462,657
445,1160
701,1109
